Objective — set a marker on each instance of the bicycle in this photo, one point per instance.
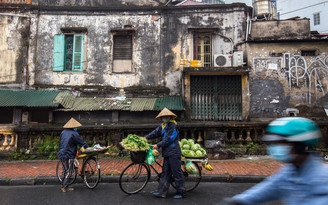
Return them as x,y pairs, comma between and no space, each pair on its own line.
90,170
136,175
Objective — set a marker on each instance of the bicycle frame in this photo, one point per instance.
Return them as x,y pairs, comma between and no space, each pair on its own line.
135,176
89,170
155,170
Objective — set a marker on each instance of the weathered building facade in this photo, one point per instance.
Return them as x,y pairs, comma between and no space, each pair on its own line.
98,51
289,70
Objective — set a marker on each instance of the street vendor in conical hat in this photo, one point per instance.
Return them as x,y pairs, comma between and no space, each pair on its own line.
171,152
69,140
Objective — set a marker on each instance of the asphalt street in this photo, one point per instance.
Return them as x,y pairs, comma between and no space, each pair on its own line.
207,193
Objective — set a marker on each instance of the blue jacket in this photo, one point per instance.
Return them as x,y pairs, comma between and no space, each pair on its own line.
303,186
69,140
169,140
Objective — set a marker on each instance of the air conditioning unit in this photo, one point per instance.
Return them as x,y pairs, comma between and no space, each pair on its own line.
221,60
238,59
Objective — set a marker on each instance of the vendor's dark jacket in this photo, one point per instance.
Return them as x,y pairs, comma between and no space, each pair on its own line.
69,140
169,140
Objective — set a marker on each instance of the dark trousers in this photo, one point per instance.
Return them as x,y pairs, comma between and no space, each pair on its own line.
68,166
171,168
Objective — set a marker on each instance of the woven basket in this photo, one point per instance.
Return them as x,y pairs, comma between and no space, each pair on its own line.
138,157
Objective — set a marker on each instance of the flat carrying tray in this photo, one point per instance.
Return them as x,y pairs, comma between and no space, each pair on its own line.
90,152
194,157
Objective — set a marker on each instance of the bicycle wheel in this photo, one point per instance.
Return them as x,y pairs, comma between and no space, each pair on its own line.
191,180
91,172
60,173
134,178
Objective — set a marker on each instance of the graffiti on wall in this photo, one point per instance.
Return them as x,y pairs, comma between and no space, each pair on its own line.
310,75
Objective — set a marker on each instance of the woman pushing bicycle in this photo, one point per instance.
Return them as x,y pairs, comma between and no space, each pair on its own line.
171,153
69,140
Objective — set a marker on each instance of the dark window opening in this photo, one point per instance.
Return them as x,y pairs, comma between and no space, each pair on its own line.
6,115
122,47
308,53
316,19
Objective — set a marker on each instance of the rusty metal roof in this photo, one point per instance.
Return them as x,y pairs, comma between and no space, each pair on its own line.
170,102
141,104
66,99
129,104
27,98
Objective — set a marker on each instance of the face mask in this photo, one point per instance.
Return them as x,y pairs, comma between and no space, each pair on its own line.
75,129
166,119
281,152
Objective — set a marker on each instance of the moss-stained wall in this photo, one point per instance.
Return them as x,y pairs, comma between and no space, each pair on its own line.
227,23
163,36
98,68
13,44
282,78
280,30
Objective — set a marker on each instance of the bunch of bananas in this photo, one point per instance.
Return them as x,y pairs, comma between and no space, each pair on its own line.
207,167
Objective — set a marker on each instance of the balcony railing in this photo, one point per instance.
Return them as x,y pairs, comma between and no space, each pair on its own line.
24,137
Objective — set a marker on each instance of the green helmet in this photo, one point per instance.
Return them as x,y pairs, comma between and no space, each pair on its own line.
293,129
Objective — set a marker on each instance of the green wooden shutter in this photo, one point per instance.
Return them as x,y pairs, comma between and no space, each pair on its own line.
59,54
78,53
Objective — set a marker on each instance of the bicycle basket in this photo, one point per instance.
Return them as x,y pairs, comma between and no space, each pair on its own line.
138,157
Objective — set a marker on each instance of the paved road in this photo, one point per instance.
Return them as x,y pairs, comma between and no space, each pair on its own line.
207,193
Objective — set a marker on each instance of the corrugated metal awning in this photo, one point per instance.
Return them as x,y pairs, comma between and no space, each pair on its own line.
129,104
170,102
27,98
66,99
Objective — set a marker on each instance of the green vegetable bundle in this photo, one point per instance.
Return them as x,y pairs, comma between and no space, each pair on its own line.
135,143
191,149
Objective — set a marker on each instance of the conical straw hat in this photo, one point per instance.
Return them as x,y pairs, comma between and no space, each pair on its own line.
72,123
166,112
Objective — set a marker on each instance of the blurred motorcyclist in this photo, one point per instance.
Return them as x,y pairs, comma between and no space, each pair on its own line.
303,180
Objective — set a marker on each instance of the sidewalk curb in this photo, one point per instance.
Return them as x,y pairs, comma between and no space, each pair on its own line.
115,179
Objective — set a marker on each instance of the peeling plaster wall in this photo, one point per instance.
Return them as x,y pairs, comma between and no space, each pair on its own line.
13,31
98,50
289,80
162,38
229,21
279,30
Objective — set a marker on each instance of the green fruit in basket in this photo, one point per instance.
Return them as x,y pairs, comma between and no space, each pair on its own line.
186,146
191,153
185,152
195,147
198,153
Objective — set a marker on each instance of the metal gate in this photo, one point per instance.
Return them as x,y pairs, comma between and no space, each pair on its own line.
216,97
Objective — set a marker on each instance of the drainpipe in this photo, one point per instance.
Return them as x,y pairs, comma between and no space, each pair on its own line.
168,2
247,27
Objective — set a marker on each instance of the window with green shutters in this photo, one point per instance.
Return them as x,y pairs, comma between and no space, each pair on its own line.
68,52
